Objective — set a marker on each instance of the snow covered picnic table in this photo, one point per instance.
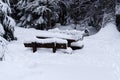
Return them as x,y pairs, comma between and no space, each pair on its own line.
61,39
54,43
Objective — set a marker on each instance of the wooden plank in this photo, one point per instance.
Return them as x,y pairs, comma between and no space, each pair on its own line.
54,46
77,47
61,46
45,45
40,37
28,45
32,45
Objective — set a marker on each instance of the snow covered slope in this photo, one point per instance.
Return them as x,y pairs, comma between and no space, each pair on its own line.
98,60
104,46
108,32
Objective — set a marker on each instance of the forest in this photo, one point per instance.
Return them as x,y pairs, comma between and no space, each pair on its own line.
45,14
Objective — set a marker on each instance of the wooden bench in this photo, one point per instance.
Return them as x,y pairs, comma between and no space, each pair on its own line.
54,46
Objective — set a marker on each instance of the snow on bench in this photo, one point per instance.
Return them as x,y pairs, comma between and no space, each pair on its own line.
46,40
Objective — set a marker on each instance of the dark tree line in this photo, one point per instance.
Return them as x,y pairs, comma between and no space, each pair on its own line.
117,12
44,14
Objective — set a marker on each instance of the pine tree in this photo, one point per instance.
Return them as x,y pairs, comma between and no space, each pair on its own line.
7,24
75,11
36,13
63,12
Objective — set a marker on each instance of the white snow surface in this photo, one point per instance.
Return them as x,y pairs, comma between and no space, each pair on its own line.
98,60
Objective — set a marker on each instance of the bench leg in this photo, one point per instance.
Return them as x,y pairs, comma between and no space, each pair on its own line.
54,48
34,47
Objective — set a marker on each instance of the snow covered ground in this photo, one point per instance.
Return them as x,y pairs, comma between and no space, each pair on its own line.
98,60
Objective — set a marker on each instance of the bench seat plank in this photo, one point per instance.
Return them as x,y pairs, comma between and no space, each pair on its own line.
54,46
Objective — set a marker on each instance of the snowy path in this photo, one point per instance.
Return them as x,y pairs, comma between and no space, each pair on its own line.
98,60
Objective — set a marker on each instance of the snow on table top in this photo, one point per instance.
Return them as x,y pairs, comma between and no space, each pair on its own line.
48,40
68,34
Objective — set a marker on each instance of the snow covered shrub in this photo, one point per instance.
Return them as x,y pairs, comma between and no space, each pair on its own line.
63,15
7,24
2,32
3,48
